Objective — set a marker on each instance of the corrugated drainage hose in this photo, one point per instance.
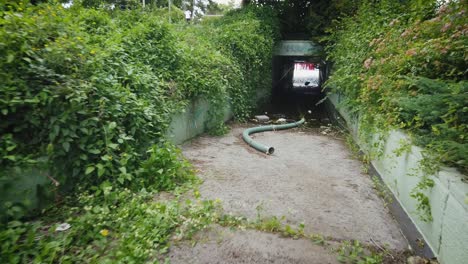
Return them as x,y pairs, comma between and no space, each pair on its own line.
260,147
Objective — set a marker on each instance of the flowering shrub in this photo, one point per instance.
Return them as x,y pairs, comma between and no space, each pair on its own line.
403,65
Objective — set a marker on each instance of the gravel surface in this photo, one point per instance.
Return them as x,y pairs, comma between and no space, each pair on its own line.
311,179
225,246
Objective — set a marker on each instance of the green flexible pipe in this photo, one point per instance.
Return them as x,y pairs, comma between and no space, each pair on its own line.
260,147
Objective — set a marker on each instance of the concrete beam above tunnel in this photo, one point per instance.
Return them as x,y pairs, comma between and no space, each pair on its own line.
298,48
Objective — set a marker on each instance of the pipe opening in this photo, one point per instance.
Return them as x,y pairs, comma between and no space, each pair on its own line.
271,150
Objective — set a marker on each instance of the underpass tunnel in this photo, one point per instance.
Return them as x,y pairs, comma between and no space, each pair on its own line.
302,75
299,70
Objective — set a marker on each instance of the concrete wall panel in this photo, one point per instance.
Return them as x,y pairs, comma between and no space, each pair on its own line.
447,234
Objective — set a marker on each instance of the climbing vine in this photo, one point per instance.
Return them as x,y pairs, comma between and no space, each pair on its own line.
85,101
87,94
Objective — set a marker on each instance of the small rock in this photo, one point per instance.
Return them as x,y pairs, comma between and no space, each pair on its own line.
416,260
262,118
281,120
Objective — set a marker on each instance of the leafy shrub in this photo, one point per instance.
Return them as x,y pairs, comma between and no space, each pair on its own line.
93,108
248,35
88,94
106,226
206,72
402,65
85,101
164,169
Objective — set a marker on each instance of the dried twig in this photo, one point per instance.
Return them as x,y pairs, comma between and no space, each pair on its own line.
381,248
56,183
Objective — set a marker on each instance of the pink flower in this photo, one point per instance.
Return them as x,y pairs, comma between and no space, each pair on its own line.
405,33
368,63
444,50
393,22
411,52
446,27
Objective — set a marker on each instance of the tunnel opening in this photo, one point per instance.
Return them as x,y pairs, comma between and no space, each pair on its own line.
299,70
297,75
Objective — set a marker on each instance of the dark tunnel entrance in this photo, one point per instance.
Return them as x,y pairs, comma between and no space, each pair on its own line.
301,75
299,70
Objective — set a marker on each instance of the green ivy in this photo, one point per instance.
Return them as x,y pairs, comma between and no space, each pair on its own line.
85,101
87,94
108,225
402,65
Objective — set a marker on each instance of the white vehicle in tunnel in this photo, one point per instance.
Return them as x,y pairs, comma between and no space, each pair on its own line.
306,75
299,69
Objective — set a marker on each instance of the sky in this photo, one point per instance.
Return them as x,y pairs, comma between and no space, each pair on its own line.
237,2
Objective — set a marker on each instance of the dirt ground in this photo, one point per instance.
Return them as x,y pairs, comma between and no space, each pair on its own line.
222,245
311,179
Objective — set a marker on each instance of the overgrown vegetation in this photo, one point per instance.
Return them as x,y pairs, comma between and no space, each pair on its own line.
303,19
88,94
105,226
406,69
86,98
402,65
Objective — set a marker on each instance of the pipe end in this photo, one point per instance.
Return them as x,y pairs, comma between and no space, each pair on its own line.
271,150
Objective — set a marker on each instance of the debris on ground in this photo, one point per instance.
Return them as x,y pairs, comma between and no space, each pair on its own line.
281,121
420,260
63,227
325,130
262,118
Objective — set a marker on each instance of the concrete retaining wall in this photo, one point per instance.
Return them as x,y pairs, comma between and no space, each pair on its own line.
192,121
447,234
34,190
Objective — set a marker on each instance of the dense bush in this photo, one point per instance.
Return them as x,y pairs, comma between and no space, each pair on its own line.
249,35
113,226
402,64
241,45
85,100
87,94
